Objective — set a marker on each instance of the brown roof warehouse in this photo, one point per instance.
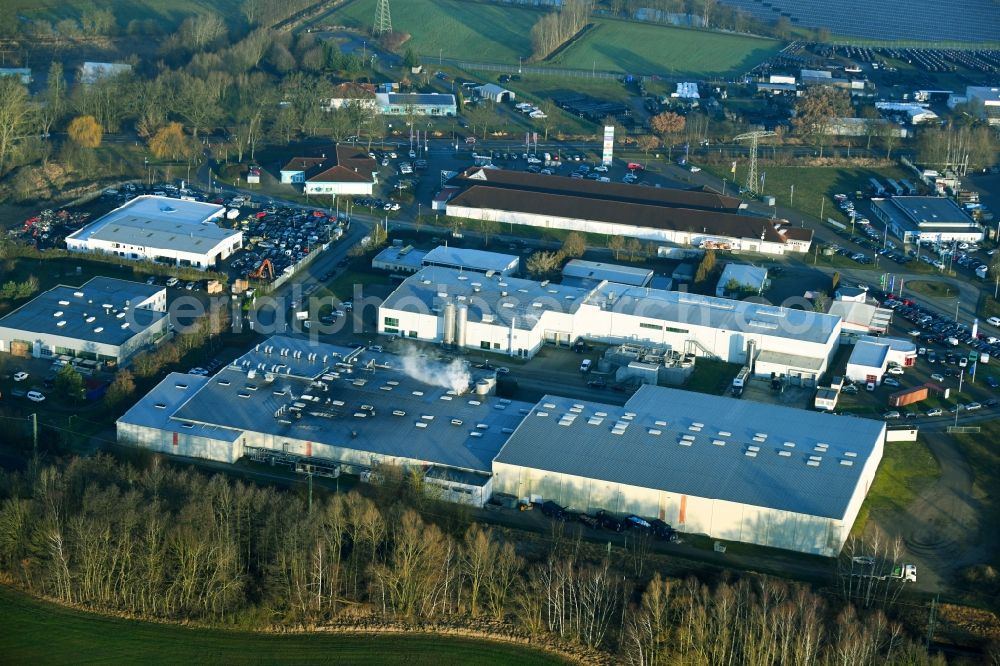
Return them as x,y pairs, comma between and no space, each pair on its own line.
695,218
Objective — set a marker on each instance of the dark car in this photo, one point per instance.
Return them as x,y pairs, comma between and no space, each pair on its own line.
661,530
588,520
609,521
554,511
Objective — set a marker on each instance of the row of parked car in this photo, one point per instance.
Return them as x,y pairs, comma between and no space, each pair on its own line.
609,521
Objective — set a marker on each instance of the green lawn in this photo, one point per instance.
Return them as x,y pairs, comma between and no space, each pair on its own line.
815,184
906,469
645,48
35,632
479,31
166,14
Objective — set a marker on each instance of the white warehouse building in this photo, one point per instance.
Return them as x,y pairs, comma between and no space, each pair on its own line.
731,469
161,229
301,401
516,317
105,320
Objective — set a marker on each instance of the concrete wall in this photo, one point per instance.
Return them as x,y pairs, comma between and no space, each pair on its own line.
716,518
179,443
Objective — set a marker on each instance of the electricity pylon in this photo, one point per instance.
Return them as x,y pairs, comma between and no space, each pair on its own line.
383,21
753,186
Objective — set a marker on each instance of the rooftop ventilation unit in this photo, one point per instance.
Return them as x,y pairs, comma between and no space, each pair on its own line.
63,303
654,431
687,438
475,433
662,424
595,420
847,463
541,413
78,294
785,454
812,463
398,412
418,393
57,313
719,442
99,329
90,320
850,454
753,448
476,403
684,442
60,324
601,414
750,454
725,433
816,458
421,424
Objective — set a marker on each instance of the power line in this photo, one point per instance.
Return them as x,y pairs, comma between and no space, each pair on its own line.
383,20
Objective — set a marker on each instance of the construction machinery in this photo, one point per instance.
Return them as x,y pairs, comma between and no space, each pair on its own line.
266,267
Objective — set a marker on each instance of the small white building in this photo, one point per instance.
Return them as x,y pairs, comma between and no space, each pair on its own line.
740,279
161,229
859,319
582,273
494,93
926,218
868,362
418,104
106,320
345,170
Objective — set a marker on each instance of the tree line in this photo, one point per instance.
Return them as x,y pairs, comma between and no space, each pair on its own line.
156,541
556,28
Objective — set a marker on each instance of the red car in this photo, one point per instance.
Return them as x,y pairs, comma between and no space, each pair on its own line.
635,166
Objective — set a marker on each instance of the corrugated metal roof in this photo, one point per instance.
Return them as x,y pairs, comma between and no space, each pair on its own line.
695,444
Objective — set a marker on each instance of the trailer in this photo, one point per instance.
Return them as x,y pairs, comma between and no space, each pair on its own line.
877,189
895,187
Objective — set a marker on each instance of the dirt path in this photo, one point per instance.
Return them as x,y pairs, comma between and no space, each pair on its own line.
941,528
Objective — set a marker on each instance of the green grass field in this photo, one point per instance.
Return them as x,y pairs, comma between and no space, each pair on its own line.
36,632
487,32
166,14
906,469
643,48
478,31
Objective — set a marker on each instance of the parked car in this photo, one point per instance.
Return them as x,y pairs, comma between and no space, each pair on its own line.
935,411
635,522
553,510
586,365
661,530
895,370
20,376
889,381
609,521
35,396
890,415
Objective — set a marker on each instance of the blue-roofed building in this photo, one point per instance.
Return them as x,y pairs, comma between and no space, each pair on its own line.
731,469
419,104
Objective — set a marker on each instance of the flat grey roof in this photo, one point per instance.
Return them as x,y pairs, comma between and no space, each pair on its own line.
868,354
156,409
719,313
791,360
926,214
478,260
572,438
744,274
597,270
95,312
434,286
404,256
233,399
160,222
895,344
